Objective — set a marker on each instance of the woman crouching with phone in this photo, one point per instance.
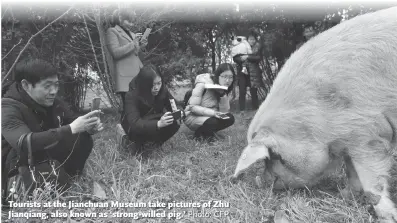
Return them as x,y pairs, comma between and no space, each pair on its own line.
147,113
209,107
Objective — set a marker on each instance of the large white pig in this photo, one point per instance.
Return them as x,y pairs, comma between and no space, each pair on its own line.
334,99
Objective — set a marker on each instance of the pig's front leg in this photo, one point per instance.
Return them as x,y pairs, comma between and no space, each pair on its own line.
373,164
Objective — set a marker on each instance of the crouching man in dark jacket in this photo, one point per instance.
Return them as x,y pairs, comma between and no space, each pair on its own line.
30,105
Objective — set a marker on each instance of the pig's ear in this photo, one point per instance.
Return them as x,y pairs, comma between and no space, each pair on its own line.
250,155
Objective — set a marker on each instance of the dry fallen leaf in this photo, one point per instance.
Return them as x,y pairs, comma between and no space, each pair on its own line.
98,191
280,217
258,181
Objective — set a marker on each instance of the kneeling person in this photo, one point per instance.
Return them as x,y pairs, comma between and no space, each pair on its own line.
147,110
30,105
209,108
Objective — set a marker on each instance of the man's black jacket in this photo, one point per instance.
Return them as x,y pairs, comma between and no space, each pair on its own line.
23,115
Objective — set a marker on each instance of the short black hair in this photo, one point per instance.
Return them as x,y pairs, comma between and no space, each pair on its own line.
34,70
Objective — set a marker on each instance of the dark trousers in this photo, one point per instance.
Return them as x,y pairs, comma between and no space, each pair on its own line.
73,152
244,82
160,137
122,95
213,124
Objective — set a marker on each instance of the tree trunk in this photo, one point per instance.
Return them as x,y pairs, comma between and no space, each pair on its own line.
213,50
107,60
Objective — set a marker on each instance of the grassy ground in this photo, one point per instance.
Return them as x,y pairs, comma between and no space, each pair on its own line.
184,170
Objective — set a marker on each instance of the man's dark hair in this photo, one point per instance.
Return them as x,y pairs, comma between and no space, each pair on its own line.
34,70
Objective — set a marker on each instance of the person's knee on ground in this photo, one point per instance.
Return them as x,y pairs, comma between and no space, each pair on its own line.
80,150
167,132
207,129
230,121
213,125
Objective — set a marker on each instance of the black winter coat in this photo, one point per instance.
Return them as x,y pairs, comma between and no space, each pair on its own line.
140,116
23,115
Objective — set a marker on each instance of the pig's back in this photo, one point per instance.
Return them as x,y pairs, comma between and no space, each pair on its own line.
350,66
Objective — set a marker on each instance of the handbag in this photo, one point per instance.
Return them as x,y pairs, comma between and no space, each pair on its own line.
43,174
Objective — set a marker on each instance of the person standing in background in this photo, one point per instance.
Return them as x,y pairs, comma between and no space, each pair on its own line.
307,34
124,46
252,77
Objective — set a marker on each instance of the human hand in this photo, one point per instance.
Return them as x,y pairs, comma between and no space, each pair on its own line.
143,43
135,43
187,113
165,120
188,108
96,128
244,57
85,122
219,115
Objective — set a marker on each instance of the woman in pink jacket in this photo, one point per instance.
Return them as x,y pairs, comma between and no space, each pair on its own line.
124,46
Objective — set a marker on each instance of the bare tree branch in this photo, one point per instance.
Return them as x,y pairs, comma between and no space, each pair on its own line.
162,27
103,77
2,17
31,38
11,49
92,45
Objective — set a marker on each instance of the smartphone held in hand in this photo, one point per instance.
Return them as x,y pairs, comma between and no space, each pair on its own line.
177,114
146,34
96,102
223,116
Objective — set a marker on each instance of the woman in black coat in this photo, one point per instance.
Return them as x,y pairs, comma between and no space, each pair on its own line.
147,110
